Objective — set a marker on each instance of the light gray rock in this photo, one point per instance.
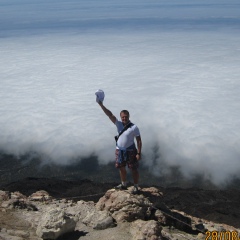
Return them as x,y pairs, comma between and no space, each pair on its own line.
175,234
105,223
4,195
40,196
124,206
146,230
94,217
160,217
91,216
201,236
18,195
19,233
6,236
55,223
82,209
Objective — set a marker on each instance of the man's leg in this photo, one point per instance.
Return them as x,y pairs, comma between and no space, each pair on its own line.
133,165
123,174
122,171
135,176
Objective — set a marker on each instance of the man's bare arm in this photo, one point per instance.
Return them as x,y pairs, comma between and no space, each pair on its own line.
139,147
108,112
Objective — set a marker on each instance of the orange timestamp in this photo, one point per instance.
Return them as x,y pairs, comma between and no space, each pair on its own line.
222,235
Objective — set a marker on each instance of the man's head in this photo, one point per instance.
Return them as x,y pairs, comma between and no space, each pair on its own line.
124,114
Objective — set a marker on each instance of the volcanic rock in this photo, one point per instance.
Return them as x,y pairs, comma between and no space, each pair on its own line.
146,230
116,215
55,223
124,206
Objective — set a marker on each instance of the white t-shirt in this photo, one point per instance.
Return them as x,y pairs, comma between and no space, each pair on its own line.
127,137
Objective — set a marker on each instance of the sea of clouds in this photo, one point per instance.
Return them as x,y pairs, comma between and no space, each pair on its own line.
173,64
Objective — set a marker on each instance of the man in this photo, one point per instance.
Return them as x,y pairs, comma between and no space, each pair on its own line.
126,151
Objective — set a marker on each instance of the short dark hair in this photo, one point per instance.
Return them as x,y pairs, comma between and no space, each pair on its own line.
125,111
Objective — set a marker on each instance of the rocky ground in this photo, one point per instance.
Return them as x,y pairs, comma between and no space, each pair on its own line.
96,211
221,206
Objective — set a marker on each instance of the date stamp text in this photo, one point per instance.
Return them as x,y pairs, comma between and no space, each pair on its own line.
222,235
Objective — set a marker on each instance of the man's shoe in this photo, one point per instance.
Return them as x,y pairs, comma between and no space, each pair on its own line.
121,187
135,190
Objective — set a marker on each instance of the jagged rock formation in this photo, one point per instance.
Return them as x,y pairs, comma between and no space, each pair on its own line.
117,215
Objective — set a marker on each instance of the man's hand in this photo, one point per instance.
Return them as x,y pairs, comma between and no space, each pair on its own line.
138,156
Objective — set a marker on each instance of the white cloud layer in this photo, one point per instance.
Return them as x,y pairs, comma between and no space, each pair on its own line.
177,74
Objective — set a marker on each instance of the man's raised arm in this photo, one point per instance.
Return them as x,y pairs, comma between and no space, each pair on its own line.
107,112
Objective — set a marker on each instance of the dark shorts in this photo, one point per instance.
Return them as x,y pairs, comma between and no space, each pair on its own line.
132,161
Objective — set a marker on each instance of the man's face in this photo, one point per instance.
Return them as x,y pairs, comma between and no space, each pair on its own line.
124,118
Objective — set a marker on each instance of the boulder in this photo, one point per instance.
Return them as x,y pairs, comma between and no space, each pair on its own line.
18,195
146,230
124,206
90,216
54,223
40,196
160,217
105,223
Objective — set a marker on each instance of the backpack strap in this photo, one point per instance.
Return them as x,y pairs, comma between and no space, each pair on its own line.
130,124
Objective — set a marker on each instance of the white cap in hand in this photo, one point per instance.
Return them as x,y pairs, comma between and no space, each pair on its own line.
99,95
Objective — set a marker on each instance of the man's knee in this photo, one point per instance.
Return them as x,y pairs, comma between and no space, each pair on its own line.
122,169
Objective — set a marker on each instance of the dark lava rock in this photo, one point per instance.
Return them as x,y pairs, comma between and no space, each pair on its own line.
220,206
